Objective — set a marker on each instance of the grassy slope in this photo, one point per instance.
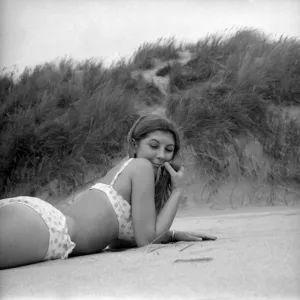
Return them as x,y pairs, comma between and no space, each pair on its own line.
59,121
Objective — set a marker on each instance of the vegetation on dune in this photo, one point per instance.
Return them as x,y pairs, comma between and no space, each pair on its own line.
58,121
148,53
55,127
227,92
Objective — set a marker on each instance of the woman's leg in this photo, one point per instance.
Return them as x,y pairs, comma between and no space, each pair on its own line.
24,236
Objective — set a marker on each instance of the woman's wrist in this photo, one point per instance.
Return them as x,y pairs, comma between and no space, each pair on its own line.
176,195
173,236
169,237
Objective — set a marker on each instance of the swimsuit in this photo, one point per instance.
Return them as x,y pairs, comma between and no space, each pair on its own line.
60,244
121,206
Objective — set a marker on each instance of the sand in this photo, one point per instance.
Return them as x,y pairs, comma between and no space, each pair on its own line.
256,256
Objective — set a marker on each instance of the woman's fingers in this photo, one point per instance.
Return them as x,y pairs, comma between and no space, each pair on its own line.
193,238
203,236
206,237
190,238
181,170
209,237
177,177
186,237
170,169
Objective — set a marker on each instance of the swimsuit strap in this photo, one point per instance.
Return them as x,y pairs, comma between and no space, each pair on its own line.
120,171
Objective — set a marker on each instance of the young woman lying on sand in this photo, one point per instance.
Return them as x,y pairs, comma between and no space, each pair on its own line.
133,205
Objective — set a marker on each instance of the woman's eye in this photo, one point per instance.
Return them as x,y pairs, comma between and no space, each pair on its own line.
156,147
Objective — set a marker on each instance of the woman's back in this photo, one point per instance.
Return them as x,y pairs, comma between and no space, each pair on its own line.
96,214
120,178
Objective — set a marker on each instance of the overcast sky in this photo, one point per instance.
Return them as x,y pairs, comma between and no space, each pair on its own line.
36,31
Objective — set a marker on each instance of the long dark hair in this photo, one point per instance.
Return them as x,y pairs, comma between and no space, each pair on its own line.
163,186
140,130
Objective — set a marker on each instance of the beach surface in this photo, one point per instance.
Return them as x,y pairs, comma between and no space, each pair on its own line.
256,256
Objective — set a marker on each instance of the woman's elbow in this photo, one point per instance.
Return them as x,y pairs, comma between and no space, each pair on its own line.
142,242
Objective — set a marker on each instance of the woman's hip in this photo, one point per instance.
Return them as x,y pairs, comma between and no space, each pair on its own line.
60,244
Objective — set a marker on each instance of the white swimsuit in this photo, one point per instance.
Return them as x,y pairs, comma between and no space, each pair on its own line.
120,205
60,244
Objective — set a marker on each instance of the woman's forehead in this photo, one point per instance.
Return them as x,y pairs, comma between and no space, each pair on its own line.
161,136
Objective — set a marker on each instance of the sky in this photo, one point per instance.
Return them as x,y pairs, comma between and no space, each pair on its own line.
36,31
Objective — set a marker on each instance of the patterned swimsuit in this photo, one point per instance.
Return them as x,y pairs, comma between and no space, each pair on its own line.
121,206
60,244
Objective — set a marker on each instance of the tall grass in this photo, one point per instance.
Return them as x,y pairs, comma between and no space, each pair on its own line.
225,94
55,128
146,55
59,120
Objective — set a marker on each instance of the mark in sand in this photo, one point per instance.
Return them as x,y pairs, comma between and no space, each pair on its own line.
198,259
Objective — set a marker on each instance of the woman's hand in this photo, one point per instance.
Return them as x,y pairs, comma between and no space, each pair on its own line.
184,236
178,180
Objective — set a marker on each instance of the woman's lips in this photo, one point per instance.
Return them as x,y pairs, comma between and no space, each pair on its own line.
156,165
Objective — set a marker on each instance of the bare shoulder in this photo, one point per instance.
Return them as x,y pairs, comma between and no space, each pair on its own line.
141,166
143,163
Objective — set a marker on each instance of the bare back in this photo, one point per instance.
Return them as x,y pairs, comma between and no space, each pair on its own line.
95,219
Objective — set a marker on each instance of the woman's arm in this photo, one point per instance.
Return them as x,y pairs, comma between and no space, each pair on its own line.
123,244
119,244
147,225
191,236
173,236
165,238
167,214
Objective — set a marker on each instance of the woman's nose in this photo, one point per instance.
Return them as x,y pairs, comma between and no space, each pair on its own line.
161,154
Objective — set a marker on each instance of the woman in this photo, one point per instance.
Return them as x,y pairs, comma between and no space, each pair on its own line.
134,204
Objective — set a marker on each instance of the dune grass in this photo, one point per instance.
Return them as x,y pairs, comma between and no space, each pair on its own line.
227,92
60,120
54,127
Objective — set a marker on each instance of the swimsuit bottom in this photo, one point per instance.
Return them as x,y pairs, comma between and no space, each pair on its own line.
60,244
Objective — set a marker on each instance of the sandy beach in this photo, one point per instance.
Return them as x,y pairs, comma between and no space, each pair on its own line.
256,256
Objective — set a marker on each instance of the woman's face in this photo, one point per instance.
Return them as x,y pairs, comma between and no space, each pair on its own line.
158,147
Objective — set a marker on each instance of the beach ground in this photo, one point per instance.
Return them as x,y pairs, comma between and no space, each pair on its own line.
256,256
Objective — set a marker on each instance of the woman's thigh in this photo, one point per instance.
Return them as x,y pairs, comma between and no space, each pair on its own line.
24,236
